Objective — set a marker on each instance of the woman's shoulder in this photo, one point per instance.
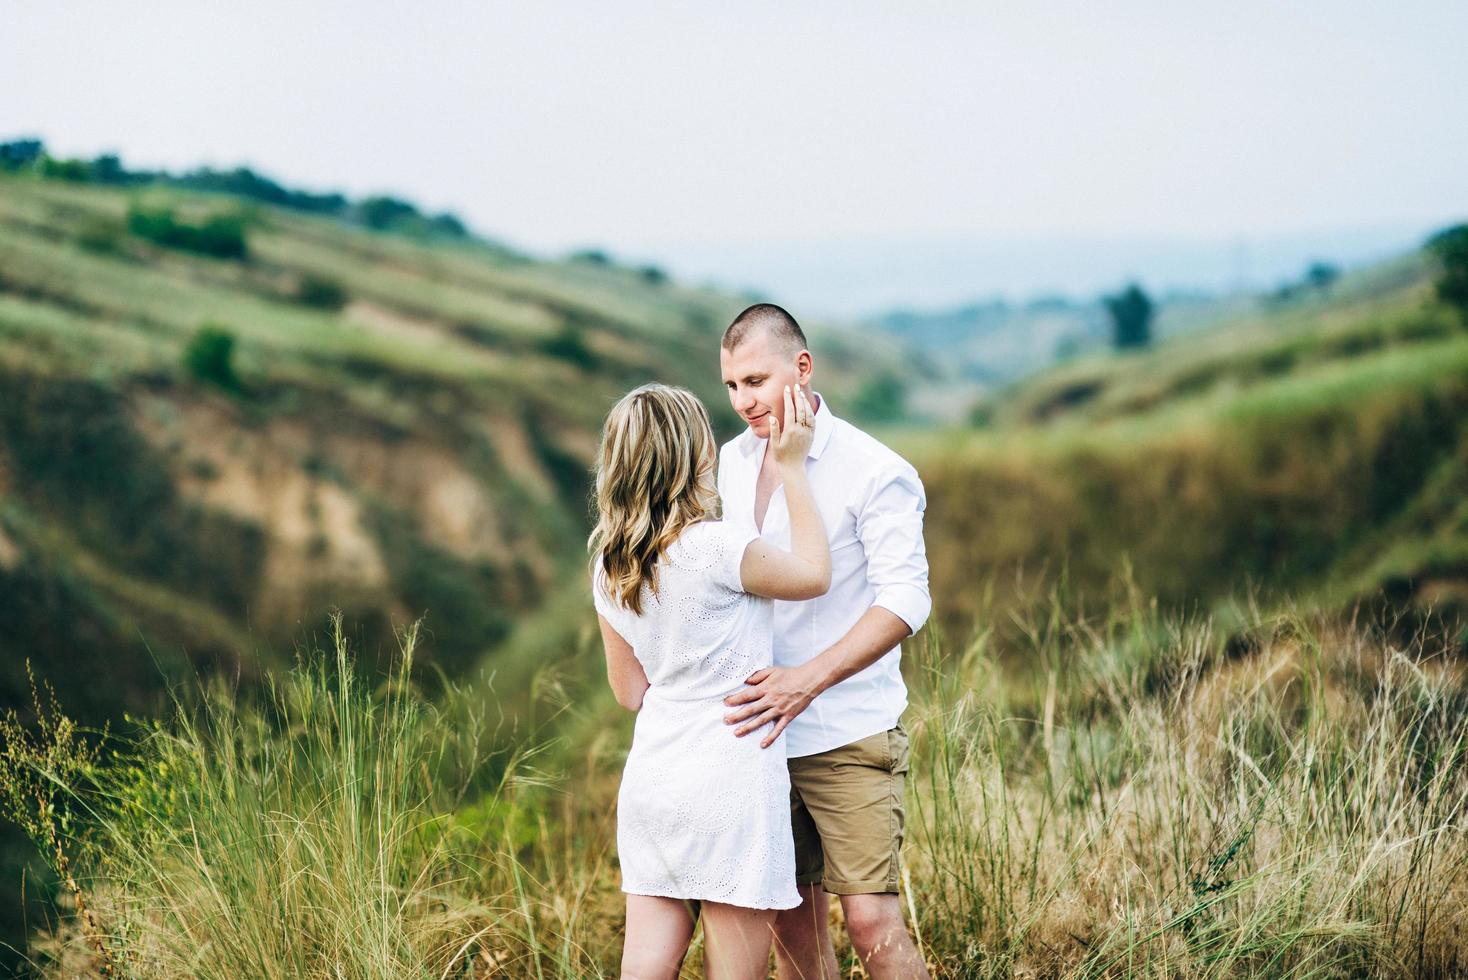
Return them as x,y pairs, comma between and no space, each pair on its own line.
694,540
715,536
711,550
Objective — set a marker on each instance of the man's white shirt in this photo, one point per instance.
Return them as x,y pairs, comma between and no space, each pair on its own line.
872,503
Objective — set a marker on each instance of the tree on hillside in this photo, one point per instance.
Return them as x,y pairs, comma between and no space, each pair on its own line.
321,292
449,224
382,212
569,344
1131,318
220,234
1450,248
108,169
247,183
20,153
72,169
210,357
1318,279
1322,275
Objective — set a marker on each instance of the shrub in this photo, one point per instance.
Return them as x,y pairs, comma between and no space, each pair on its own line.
449,225
1321,276
1450,248
382,213
75,170
652,275
1317,280
18,154
108,169
1068,348
246,183
320,292
1131,317
210,357
219,235
569,345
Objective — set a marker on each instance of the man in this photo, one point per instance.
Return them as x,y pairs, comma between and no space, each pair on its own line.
836,689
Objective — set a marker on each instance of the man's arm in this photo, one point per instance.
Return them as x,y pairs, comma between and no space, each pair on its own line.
778,694
890,527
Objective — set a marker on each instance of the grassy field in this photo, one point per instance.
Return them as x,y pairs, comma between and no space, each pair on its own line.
1285,797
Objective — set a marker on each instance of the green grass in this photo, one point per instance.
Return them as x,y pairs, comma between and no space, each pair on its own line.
40,334
1163,796
308,834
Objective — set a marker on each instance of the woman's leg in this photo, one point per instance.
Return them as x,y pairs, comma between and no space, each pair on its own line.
658,930
737,941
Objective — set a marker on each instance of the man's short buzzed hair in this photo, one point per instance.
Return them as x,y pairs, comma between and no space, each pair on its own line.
785,334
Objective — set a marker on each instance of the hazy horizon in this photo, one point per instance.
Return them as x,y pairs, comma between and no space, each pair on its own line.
751,137
862,278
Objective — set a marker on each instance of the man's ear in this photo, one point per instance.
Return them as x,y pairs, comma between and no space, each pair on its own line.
804,364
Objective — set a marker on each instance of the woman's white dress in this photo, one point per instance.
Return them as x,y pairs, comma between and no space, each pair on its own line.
701,814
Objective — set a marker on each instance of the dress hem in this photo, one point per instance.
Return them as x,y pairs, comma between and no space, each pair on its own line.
651,893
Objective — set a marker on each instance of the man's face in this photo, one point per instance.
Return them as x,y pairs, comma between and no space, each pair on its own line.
755,375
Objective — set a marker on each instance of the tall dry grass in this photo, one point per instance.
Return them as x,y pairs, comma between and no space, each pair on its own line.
1145,796
326,829
1169,801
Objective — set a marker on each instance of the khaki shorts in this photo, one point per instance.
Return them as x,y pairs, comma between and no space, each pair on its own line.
846,812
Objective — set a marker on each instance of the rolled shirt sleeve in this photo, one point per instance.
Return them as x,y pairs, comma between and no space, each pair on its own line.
890,526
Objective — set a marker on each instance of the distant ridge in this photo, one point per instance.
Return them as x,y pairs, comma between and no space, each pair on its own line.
863,279
379,212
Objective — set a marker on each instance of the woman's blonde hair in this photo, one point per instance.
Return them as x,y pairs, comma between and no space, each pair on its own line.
654,477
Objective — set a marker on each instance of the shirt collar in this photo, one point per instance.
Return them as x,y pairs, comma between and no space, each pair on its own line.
825,422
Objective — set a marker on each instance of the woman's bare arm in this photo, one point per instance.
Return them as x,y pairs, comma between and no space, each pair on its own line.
803,572
624,671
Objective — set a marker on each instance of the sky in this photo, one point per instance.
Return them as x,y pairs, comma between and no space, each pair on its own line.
801,148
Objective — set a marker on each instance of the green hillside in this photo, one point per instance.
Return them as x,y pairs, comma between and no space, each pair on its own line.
391,423
403,425
1309,458
1318,450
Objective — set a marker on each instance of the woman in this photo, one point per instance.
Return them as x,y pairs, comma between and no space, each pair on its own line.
703,817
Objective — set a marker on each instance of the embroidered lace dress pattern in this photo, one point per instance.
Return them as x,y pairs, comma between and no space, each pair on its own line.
701,814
